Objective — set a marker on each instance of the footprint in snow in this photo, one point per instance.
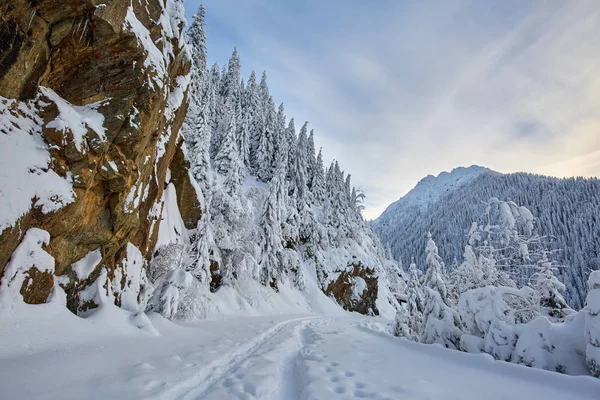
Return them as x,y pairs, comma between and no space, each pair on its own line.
339,389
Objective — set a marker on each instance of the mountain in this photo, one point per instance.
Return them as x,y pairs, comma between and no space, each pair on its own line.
427,191
133,176
566,210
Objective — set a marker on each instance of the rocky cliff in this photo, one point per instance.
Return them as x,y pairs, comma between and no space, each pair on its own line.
92,96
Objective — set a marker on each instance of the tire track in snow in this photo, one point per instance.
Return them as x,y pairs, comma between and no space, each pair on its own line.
202,382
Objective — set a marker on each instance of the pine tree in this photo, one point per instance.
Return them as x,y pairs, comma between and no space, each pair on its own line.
292,146
214,111
311,160
318,188
266,144
253,110
271,234
228,153
300,167
434,276
401,323
414,300
281,150
196,38
550,289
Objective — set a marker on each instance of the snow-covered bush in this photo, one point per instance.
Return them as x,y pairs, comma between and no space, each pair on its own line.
552,346
491,314
401,324
592,324
179,295
166,258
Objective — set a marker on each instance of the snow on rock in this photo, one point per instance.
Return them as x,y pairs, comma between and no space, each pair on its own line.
155,59
27,256
26,180
77,120
97,295
358,287
172,228
133,287
84,267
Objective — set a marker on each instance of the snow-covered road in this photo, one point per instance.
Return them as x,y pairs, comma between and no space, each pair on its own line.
283,357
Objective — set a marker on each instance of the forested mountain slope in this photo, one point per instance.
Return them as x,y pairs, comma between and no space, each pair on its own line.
272,213
566,210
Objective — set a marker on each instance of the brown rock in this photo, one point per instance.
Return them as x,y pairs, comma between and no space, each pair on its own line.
341,289
37,286
85,55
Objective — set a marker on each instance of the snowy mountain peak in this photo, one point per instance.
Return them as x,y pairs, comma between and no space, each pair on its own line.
431,188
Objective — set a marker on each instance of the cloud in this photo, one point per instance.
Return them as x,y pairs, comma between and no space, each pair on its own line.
399,90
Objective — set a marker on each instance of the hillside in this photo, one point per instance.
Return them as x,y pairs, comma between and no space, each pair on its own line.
567,211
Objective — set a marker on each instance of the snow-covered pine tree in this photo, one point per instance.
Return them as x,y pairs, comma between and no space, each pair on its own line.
280,144
266,145
291,138
243,129
311,160
434,275
550,289
196,39
253,111
300,174
401,323
271,234
214,86
318,188
414,300
228,152
441,323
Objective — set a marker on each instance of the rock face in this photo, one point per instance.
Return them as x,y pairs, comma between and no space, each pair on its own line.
356,289
103,84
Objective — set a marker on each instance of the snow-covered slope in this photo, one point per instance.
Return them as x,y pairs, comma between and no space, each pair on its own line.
267,358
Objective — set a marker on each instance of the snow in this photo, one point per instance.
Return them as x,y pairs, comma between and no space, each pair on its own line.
154,59
172,228
359,287
593,302
76,119
59,355
84,267
28,254
25,179
134,295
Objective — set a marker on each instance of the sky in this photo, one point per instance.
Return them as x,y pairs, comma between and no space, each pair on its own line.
398,90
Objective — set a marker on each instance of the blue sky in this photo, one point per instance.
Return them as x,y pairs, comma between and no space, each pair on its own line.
397,90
